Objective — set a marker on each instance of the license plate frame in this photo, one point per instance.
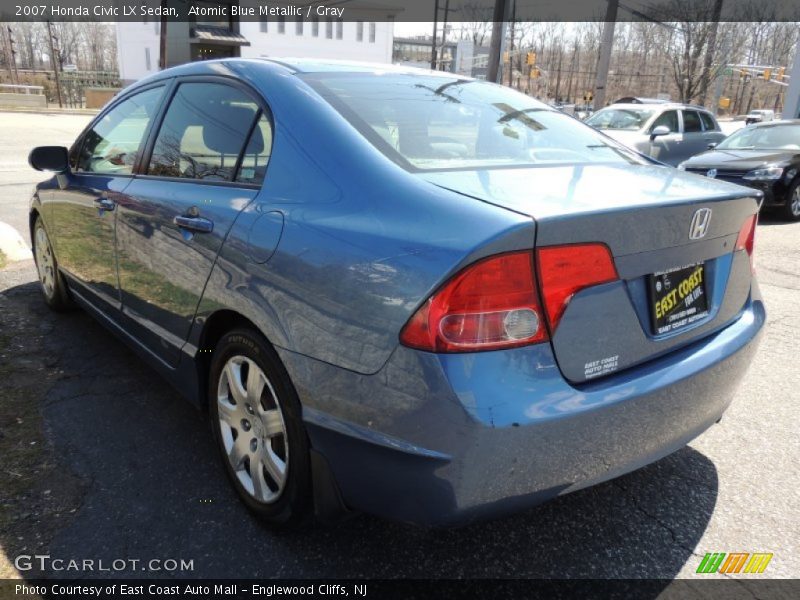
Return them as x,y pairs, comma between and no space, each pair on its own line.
678,298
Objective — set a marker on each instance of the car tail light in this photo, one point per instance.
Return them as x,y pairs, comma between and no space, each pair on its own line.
747,238
491,304
565,270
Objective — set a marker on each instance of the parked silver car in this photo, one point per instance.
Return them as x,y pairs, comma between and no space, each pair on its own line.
668,132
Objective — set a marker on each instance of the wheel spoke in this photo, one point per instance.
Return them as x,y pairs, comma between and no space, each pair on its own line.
227,411
260,487
255,385
238,451
273,423
233,372
274,466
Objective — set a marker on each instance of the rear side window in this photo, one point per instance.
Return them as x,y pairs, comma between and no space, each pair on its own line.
668,118
708,121
112,145
257,153
203,132
691,122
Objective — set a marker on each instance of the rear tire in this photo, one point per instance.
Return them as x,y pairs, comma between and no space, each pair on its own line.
256,418
54,288
791,208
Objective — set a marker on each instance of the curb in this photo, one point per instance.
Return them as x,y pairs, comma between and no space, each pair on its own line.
11,243
51,111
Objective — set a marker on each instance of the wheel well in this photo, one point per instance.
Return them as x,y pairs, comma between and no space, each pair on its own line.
216,326
32,216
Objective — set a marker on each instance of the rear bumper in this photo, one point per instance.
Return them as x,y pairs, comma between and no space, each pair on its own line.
440,439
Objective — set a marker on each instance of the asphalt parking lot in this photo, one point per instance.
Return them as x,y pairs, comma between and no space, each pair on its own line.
131,470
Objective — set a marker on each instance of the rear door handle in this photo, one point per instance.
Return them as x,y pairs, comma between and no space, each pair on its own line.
198,224
104,203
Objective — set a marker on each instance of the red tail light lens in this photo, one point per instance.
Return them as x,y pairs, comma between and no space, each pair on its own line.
747,238
565,270
489,305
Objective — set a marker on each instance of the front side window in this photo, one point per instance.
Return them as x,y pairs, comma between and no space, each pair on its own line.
622,119
430,122
691,122
203,132
669,119
112,145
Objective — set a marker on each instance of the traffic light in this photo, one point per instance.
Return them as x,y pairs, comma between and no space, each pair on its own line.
767,74
506,56
588,96
530,58
535,73
781,72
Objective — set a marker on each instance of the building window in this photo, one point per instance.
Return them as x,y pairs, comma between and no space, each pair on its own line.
359,31
339,29
298,27
147,64
372,33
263,26
315,27
281,24
329,29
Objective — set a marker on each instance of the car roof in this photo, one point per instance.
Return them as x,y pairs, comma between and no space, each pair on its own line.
657,105
317,65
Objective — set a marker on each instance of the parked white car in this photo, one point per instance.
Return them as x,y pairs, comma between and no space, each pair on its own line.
760,115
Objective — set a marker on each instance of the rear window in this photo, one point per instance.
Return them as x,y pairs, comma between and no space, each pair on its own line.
429,122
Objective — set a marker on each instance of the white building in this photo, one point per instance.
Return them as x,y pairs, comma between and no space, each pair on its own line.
218,37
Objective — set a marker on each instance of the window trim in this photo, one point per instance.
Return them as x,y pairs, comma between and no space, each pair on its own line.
79,141
264,110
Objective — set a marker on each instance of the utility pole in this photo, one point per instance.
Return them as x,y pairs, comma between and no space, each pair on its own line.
604,60
13,54
435,28
496,44
55,63
162,37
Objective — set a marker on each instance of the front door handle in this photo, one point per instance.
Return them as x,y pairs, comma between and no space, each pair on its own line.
104,203
198,224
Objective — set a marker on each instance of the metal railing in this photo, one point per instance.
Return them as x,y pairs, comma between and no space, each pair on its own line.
35,90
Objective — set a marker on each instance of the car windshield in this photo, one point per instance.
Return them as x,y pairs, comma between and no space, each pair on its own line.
780,137
626,119
428,122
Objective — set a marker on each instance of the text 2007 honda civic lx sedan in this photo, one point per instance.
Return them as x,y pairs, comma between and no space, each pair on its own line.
402,292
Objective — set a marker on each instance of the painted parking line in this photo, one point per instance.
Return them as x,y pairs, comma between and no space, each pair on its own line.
12,245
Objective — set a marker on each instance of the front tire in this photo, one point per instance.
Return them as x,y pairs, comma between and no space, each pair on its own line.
791,209
256,418
54,288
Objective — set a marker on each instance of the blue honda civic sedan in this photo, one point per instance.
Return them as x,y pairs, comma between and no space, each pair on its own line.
403,292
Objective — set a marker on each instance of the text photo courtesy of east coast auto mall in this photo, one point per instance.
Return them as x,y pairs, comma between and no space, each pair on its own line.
399,299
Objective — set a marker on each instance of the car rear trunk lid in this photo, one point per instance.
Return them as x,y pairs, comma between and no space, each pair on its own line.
645,216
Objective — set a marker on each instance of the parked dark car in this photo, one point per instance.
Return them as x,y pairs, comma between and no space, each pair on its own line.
397,291
764,156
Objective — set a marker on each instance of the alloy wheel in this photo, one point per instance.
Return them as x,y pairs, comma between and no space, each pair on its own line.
252,429
795,202
45,263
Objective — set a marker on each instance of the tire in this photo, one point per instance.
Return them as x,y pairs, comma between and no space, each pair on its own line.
791,208
261,439
54,288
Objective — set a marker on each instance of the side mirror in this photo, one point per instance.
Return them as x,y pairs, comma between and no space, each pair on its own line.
712,145
49,158
660,130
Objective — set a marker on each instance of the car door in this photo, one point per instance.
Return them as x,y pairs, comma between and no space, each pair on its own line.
694,137
177,212
667,148
82,207
712,134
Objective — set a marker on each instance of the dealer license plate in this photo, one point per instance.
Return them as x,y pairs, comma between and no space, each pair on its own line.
678,298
